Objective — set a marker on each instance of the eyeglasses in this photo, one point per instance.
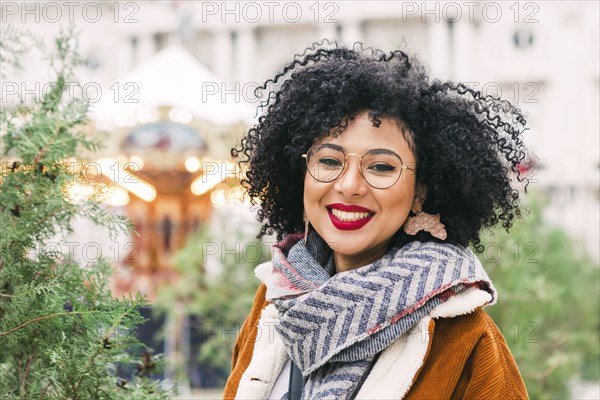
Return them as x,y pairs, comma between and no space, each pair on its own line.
381,168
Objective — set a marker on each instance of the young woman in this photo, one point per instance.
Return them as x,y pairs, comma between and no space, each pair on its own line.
376,179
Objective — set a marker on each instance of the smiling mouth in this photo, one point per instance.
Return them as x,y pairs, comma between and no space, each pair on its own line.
352,218
349,216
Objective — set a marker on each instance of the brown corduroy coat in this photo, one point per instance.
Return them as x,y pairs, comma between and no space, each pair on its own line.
467,358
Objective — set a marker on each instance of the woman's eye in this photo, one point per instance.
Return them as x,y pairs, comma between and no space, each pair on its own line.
382,168
330,162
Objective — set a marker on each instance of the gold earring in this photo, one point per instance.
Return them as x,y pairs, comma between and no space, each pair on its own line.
423,221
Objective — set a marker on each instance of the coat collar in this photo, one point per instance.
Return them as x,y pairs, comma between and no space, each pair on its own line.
394,372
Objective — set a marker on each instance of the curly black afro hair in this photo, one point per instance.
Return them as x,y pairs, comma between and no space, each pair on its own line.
467,146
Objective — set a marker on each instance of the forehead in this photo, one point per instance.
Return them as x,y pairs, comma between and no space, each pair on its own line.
361,136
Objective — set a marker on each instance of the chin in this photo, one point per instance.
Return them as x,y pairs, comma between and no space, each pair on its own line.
346,250
347,246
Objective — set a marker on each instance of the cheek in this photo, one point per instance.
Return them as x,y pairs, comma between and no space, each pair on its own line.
307,188
310,192
314,195
399,203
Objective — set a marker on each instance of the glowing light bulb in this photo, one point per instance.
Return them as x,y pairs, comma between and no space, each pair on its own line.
192,164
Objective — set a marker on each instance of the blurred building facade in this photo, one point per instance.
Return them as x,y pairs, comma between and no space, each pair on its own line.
542,56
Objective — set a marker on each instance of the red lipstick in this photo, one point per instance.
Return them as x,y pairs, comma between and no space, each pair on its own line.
348,225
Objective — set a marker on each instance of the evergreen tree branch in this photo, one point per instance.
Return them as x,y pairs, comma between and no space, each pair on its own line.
99,349
25,375
53,213
31,321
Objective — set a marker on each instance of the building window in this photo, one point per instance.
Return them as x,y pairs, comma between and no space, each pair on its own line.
161,40
523,39
135,46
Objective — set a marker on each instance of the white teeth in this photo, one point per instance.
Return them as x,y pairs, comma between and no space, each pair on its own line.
349,216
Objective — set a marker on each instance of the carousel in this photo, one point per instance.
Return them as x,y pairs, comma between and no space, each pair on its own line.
167,166
167,160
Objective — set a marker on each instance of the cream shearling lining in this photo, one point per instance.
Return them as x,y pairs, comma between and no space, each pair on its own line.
268,359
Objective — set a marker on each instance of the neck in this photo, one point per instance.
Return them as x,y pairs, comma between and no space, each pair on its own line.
347,262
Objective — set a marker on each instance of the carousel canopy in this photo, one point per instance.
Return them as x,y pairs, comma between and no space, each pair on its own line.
173,78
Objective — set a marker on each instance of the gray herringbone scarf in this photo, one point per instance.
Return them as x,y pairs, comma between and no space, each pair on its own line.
334,324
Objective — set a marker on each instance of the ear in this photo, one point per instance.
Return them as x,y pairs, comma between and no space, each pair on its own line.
421,192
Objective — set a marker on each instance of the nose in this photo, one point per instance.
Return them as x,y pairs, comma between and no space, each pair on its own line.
351,182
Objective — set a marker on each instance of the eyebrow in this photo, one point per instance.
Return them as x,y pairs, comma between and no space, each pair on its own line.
383,151
375,151
333,146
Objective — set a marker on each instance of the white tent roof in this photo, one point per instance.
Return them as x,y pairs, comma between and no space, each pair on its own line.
173,78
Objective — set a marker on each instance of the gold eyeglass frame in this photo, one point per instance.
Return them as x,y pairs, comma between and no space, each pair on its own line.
403,168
